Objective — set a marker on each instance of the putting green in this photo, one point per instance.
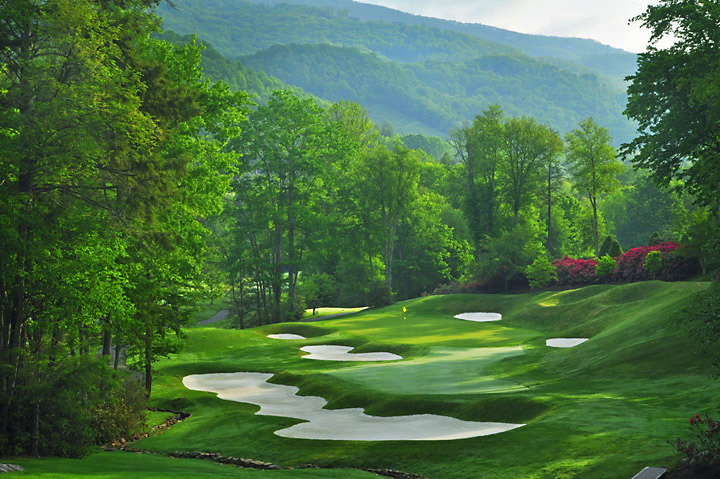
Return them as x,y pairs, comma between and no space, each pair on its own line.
442,371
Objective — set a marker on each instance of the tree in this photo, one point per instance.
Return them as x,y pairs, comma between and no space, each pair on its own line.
675,97
390,179
284,145
526,145
479,148
593,165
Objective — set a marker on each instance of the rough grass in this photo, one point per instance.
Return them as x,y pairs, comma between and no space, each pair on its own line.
603,409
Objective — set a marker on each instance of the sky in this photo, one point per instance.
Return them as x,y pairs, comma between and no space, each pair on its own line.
603,20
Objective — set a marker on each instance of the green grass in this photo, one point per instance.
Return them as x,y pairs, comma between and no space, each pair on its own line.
603,409
123,465
321,312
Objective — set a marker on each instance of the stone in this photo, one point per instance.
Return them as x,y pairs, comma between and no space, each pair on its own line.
10,468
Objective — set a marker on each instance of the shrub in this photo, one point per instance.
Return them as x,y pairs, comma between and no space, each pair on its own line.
541,273
655,239
575,271
605,267
450,288
652,262
379,294
610,247
702,451
674,267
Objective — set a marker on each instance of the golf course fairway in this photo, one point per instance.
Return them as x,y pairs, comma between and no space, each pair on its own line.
604,408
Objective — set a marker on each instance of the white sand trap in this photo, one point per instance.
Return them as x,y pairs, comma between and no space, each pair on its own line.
286,336
342,353
338,424
564,342
479,317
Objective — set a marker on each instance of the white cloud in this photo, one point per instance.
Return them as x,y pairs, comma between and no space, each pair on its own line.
605,21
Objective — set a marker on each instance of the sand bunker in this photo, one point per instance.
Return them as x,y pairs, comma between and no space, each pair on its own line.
564,342
339,424
342,353
286,336
479,317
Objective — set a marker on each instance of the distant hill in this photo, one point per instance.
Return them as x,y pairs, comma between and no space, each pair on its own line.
422,75
434,96
604,59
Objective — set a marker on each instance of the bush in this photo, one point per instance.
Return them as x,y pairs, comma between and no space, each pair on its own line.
610,247
575,271
79,402
605,267
293,314
379,294
652,262
702,451
450,288
318,287
674,267
541,273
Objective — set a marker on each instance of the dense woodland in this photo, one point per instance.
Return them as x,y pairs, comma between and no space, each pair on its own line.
132,186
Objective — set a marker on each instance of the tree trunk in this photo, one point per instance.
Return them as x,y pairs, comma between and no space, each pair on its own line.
593,201
549,210
107,341
35,450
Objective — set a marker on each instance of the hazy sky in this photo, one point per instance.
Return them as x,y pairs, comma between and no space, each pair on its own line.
603,20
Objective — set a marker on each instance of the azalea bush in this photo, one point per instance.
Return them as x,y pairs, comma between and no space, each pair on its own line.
673,267
575,270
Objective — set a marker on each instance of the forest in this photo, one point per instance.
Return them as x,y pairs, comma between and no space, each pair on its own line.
142,175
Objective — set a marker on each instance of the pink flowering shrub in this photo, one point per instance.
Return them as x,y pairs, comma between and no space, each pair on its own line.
703,447
575,271
674,267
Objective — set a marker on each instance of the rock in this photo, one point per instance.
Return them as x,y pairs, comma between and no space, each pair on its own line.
10,468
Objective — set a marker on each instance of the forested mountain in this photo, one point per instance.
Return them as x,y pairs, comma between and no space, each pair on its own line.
421,75
434,96
603,58
241,27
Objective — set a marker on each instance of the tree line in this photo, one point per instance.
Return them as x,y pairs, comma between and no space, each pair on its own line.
113,151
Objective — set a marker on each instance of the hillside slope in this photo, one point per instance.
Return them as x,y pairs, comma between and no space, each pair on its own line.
434,96
421,75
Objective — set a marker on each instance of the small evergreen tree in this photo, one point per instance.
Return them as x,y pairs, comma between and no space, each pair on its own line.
610,247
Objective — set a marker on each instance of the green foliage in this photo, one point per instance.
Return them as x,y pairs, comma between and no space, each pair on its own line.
652,262
703,315
432,145
606,265
641,208
506,257
611,247
318,288
593,166
540,273
379,294
674,97
655,239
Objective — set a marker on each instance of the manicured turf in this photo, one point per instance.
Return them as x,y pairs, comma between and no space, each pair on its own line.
123,465
605,408
441,371
322,312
